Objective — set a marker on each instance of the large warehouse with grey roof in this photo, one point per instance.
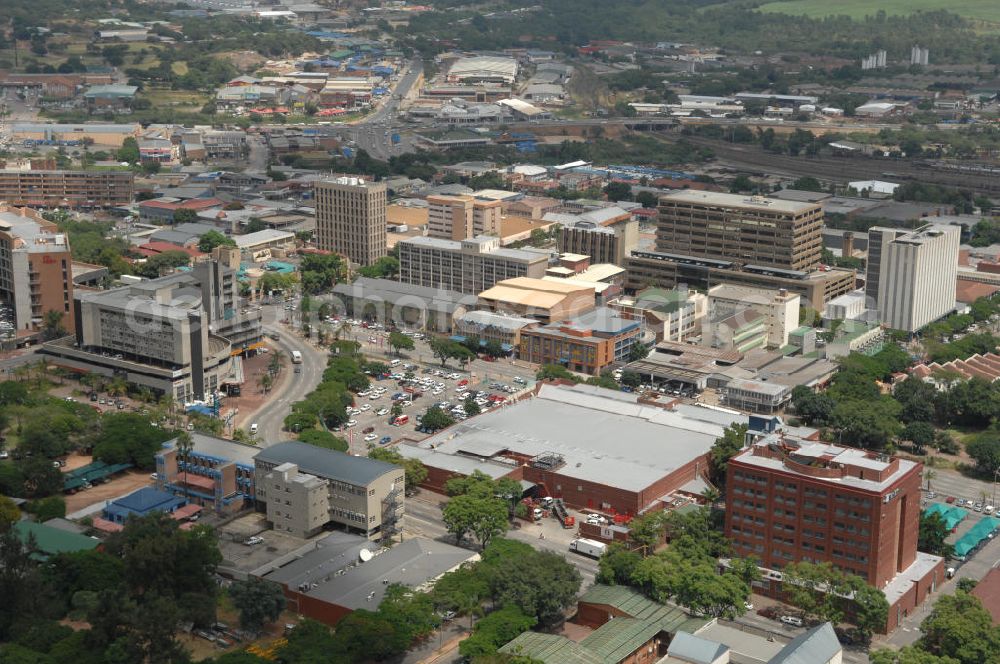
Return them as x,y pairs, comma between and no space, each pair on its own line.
592,447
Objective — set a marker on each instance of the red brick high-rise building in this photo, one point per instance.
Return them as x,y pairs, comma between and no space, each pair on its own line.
790,500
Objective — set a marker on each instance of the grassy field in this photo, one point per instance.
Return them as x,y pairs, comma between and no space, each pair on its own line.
980,10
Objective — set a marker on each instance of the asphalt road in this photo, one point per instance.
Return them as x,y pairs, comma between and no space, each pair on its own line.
258,155
270,418
374,133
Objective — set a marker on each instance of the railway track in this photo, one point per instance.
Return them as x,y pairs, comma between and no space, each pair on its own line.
980,179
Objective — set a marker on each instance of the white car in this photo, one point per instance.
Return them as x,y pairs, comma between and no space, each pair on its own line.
382,411
455,376
366,407
370,437
351,423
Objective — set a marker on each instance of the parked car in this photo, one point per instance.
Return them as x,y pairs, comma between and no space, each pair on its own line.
385,440
793,621
368,430
254,540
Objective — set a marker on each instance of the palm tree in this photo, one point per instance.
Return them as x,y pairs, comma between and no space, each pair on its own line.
274,365
52,327
929,475
711,495
117,387
184,445
265,382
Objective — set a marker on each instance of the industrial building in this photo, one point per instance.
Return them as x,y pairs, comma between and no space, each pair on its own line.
911,274
36,274
345,573
790,500
567,440
302,488
350,218
467,266
483,69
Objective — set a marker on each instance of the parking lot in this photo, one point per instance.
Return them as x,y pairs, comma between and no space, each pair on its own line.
416,388
239,556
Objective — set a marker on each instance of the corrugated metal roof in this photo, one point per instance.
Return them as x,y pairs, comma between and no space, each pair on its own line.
327,463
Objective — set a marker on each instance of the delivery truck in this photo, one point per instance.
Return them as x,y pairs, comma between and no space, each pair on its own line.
588,547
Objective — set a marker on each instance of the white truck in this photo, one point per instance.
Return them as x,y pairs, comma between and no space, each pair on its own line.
588,547
296,357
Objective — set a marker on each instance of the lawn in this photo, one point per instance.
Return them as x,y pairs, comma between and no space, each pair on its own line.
982,10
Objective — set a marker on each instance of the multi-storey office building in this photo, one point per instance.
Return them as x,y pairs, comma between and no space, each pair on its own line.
603,243
174,335
793,500
587,344
462,217
746,230
66,189
303,488
36,274
350,218
911,274
468,266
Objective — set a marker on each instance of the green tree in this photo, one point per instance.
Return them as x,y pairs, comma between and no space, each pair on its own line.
185,216
725,448
129,151
415,471
485,517
540,583
617,565
618,191
53,507
213,239
984,449
259,602
959,627
471,407
399,341
52,324
495,630
555,372
9,513
921,434
435,419
323,439
812,407
908,655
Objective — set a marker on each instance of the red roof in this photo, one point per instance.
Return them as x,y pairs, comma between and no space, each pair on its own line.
988,592
106,526
188,510
970,291
644,212
190,204
154,248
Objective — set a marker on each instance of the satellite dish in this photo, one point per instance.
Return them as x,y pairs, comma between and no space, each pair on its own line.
366,555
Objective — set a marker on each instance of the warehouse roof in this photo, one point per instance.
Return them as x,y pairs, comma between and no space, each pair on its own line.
340,575
326,463
695,649
263,237
585,426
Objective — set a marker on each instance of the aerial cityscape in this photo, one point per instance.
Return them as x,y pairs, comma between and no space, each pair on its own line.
499,332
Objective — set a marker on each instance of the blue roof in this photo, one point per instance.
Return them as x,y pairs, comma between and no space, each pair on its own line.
143,501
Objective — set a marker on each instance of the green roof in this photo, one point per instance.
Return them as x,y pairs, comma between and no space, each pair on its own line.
613,641
51,541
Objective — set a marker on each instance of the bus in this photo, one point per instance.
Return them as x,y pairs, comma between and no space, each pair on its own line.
296,357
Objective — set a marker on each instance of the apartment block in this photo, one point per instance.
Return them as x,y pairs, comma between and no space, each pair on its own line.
467,266
747,230
303,488
911,274
586,344
350,218
604,244
790,500
36,274
66,189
